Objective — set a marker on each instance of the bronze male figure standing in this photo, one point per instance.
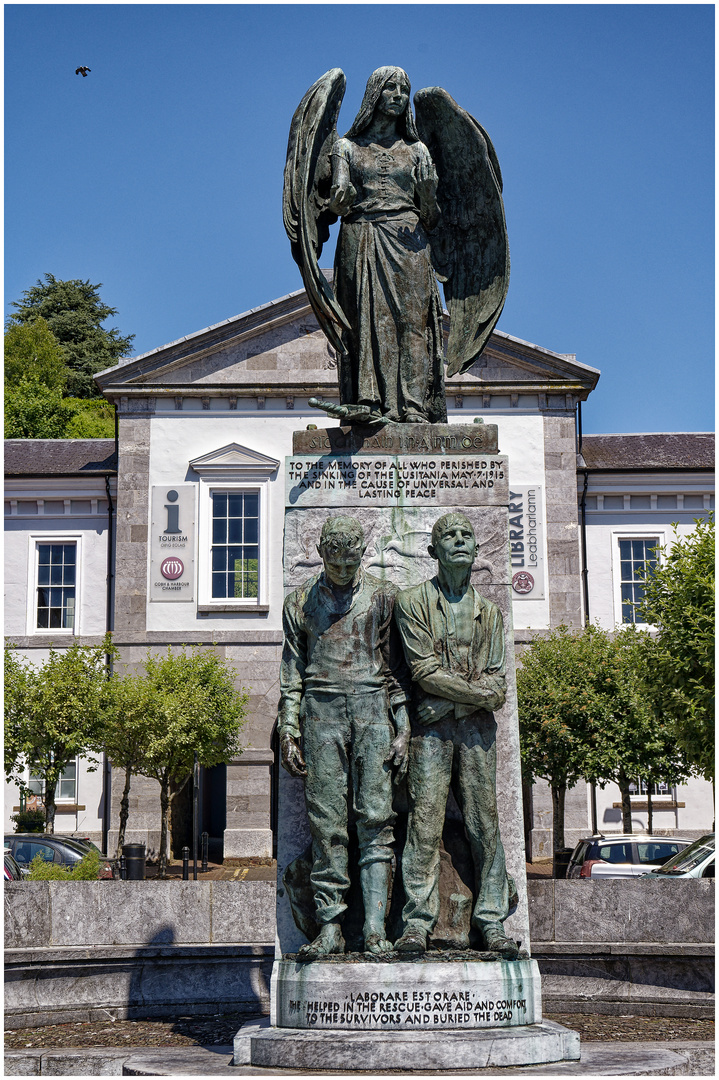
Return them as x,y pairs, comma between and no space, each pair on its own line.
344,691
454,644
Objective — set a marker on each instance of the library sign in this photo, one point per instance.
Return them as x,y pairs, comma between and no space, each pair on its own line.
172,543
526,541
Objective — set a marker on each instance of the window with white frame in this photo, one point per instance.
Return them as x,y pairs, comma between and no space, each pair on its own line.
233,529
235,544
66,790
637,558
56,564
641,788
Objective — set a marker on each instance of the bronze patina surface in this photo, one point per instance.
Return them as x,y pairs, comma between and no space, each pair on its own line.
418,200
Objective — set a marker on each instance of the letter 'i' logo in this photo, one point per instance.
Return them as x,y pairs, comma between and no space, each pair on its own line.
173,513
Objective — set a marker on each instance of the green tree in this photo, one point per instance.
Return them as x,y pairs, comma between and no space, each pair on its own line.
31,349
190,706
74,312
91,419
634,739
679,601
53,714
558,712
36,411
127,736
587,709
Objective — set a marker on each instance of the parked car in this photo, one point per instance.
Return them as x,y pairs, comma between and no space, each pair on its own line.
12,871
622,855
64,850
695,861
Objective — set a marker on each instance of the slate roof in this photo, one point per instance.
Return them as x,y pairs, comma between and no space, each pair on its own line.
60,457
655,450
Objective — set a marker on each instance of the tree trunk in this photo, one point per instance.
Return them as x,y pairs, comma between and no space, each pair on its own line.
165,801
558,794
623,783
124,812
50,789
650,809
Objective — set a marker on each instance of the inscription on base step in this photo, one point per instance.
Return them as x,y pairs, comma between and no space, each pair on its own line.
404,996
410,480
417,1008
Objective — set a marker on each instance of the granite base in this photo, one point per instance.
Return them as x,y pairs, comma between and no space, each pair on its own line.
259,1044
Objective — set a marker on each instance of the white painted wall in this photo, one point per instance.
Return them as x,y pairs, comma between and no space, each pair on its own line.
21,535
696,816
605,527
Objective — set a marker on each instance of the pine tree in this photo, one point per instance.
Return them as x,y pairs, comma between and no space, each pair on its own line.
74,313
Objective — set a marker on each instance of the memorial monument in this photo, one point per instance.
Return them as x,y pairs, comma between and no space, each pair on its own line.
402,930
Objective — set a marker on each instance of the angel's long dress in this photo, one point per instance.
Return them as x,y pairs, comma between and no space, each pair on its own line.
385,284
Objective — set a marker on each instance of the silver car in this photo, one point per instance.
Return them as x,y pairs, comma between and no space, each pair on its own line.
622,855
695,861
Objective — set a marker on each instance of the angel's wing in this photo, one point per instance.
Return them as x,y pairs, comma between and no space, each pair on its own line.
308,178
470,250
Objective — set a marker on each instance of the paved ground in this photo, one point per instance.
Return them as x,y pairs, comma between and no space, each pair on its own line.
266,870
194,1031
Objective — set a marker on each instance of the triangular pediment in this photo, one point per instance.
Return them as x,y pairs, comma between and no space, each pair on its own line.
234,458
279,349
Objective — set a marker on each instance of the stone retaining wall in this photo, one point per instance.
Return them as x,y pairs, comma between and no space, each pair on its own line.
88,950
625,945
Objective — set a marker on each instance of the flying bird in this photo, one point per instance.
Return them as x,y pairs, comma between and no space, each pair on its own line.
82,71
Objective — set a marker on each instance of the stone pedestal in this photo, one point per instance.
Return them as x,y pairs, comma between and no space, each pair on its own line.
354,994
259,1044
461,1009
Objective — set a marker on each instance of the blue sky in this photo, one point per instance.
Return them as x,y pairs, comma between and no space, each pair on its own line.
160,174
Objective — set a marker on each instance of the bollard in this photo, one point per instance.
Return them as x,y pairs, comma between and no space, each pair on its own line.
134,855
185,864
123,868
205,850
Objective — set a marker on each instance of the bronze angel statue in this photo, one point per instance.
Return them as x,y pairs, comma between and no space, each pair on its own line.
418,200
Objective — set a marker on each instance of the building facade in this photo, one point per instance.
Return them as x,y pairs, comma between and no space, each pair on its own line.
194,554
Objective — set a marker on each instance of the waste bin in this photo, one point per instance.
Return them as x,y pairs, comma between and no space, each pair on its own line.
561,861
134,861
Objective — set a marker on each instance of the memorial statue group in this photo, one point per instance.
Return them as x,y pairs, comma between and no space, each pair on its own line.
378,682
379,685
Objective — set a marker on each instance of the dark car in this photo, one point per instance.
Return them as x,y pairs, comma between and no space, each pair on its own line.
66,851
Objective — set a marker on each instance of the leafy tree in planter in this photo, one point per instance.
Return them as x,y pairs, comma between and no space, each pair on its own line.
184,704
53,714
74,312
679,601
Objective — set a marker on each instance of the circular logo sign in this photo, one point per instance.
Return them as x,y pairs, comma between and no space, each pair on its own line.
172,568
522,582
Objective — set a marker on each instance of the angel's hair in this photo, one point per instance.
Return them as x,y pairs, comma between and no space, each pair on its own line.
375,85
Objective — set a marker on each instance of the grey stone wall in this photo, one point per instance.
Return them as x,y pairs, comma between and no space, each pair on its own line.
132,515
84,950
563,562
